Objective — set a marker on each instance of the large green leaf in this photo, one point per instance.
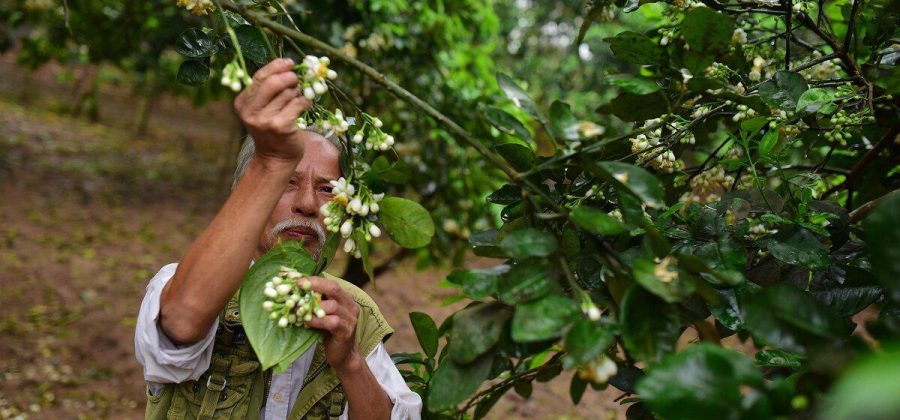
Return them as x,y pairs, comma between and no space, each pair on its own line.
529,242
273,345
636,48
882,230
426,332
480,283
706,30
635,85
505,122
520,98
193,43
815,100
406,222
526,280
783,91
671,284
520,157
650,326
452,382
543,319
253,45
475,330
634,180
867,390
192,73
800,247
597,221
703,381
586,341
786,317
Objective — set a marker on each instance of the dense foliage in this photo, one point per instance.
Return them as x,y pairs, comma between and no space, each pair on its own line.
691,202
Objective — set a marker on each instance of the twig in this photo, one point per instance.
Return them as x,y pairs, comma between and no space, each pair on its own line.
865,161
863,211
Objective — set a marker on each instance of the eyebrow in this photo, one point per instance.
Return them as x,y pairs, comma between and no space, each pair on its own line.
319,180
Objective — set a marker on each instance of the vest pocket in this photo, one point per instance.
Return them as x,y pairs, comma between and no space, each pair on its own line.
234,398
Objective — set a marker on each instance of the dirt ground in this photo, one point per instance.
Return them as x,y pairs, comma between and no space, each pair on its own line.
89,212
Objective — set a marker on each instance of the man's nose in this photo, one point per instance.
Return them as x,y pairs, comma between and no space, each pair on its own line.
305,202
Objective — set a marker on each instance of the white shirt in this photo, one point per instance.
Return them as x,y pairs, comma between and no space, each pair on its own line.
164,362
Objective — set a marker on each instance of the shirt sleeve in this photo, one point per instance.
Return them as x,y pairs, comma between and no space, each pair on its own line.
407,404
163,361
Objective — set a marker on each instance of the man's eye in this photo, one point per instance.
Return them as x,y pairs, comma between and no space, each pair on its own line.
326,189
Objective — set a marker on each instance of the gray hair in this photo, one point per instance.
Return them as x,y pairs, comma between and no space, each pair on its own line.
249,148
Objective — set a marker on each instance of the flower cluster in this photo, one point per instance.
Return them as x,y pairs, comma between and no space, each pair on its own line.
759,229
314,75
839,132
371,136
350,211
234,77
759,69
743,112
598,370
197,7
708,186
289,302
326,123
648,147
826,70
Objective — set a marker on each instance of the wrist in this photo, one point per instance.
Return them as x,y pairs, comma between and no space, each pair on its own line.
352,365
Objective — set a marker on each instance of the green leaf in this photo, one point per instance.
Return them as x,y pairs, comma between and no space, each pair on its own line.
193,43
543,319
395,173
596,221
634,180
272,344
783,91
475,330
706,30
520,157
252,43
529,242
520,98
586,341
636,48
526,280
505,122
779,358
867,390
480,283
507,194
669,289
406,222
702,382
452,382
631,84
882,229
648,335
192,73
768,142
484,244
576,389
426,332
788,318
813,100
632,107
799,246
562,121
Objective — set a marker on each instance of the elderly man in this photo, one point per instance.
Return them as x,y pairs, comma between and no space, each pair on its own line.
197,361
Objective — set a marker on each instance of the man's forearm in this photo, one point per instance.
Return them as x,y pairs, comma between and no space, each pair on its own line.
364,394
212,269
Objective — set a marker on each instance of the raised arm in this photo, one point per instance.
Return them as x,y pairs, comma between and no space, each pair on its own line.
212,269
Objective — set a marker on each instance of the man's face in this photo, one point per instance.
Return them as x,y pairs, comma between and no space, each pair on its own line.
297,216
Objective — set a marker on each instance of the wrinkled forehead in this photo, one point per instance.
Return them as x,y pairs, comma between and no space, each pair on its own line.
321,157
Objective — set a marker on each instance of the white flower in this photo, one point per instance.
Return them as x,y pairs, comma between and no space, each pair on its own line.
739,36
197,7
346,228
374,231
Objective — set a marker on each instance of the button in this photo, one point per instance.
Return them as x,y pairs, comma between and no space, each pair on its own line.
277,396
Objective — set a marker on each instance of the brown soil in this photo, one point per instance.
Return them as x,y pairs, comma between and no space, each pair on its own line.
89,212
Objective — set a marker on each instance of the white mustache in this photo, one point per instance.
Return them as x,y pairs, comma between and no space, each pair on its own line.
296,223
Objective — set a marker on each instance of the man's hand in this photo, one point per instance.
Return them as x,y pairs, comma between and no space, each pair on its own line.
339,323
269,108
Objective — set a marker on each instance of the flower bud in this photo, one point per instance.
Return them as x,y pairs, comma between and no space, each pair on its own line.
374,231
355,205
349,245
267,306
325,60
306,285
283,289
377,123
357,138
270,292
593,313
283,322
346,228
373,208
364,210
319,88
320,313
331,74
309,93
307,317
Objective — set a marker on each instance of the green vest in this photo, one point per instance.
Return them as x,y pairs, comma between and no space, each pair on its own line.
234,386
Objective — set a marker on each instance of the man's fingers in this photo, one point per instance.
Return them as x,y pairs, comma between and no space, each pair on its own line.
331,290
261,94
275,66
330,306
282,99
294,108
330,323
